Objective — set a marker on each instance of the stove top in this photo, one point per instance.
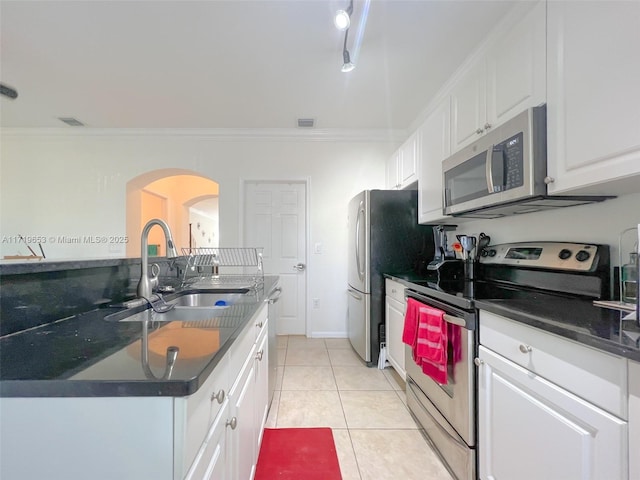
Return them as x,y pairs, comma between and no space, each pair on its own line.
547,271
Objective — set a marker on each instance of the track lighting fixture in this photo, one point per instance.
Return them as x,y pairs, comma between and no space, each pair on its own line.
347,66
342,19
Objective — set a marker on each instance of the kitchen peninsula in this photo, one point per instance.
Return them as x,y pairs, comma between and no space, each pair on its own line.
77,398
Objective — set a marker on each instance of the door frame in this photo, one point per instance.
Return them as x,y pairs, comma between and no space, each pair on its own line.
306,181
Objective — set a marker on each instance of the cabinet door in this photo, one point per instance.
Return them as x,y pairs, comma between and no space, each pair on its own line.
407,162
262,385
243,437
516,68
530,428
393,181
434,145
634,419
593,108
394,315
469,106
211,462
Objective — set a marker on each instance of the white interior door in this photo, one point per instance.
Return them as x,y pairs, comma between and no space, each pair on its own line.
275,219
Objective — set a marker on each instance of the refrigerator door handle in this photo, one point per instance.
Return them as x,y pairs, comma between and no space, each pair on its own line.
354,294
361,269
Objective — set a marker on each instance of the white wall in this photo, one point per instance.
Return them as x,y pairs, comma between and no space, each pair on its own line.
596,223
70,185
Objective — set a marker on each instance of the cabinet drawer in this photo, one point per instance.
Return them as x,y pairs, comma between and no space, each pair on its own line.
596,376
199,410
210,463
394,290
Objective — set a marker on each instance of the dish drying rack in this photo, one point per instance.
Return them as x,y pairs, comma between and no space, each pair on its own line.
223,267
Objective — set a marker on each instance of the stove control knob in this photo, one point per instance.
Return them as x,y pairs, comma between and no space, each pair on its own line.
583,256
484,253
564,254
492,253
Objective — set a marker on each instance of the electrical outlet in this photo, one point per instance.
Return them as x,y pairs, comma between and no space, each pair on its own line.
316,303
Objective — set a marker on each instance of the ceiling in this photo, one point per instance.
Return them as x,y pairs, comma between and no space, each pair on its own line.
231,64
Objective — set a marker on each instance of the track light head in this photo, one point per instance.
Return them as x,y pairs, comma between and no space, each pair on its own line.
347,66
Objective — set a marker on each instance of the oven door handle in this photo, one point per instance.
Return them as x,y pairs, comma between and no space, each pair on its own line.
454,320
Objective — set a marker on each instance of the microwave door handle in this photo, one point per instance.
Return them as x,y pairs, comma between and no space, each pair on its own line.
489,169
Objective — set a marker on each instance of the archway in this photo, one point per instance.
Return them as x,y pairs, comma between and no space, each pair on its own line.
169,194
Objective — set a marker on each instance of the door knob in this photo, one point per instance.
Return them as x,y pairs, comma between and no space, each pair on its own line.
300,267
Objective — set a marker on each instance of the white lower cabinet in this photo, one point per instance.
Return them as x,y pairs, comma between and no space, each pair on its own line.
248,407
634,419
530,428
213,434
395,306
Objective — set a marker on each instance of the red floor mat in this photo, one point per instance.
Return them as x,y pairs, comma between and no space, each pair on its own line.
296,454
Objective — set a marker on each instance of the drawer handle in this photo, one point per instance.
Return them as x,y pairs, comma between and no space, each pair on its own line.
259,324
259,355
218,396
525,348
478,362
233,423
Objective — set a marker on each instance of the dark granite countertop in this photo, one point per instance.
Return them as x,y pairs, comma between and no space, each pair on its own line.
86,355
576,319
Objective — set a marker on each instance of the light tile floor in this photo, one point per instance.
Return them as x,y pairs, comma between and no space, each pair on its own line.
324,383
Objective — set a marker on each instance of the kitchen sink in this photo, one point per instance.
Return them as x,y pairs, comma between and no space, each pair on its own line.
176,314
207,299
191,307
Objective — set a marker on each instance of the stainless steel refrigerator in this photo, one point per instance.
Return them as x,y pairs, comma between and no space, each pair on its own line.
384,237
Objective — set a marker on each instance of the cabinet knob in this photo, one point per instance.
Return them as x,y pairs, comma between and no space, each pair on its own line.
549,180
218,396
479,131
259,324
525,348
259,355
478,362
487,126
233,423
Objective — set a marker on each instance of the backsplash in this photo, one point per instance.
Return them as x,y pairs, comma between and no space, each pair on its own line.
35,294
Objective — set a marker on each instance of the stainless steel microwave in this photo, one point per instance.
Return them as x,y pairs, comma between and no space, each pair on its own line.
506,165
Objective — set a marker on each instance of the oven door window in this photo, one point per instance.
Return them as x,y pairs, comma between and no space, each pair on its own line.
467,181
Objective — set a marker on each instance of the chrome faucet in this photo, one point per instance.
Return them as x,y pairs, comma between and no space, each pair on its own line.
146,284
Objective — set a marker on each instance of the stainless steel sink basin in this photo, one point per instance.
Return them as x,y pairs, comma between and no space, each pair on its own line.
207,307
207,299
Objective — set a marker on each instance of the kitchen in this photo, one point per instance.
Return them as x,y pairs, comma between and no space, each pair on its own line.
359,156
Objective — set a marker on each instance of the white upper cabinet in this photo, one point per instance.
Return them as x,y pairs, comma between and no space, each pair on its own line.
516,68
393,183
402,167
593,108
434,145
507,79
469,106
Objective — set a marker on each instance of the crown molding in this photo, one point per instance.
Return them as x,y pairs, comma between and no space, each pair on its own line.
229,134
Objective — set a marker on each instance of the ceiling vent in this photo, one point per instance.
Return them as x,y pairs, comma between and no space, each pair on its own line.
71,121
306,122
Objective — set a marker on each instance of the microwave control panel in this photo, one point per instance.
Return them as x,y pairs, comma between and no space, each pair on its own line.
507,164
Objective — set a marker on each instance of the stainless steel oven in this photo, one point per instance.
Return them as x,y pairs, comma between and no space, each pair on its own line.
447,412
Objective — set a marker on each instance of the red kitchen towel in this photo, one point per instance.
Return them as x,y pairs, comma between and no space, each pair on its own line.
431,347
425,331
410,331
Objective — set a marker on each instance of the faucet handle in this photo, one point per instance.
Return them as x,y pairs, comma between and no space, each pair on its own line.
155,272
